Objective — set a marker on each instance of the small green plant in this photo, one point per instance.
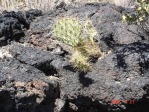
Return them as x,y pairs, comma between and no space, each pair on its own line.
141,16
80,37
68,30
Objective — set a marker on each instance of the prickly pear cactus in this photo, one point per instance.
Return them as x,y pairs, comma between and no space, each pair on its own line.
80,36
90,31
69,30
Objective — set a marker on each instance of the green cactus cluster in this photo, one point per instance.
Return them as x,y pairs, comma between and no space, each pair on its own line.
141,15
80,37
69,30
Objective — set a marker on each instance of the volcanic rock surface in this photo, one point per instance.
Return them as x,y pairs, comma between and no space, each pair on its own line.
36,76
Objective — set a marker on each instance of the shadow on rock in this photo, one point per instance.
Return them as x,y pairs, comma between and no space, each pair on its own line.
85,81
138,50
84,104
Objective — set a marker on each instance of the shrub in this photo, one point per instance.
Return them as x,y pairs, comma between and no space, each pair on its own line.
141,16
80,37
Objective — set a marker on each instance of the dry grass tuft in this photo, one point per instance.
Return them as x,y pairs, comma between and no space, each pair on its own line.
80,62
89,49
27,4
49,4
124,3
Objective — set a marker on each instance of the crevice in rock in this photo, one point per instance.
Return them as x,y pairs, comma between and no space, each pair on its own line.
109,40
141,36
94,60
13,25
48,104
8,103
48,70
84,104
144,64
64,54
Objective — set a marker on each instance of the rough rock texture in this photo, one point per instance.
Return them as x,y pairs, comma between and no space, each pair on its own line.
36,76
12,24
27,54
106,18
24,88
122,75
25,83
